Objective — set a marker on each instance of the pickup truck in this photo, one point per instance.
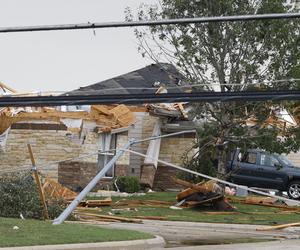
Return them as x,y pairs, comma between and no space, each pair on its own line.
258,168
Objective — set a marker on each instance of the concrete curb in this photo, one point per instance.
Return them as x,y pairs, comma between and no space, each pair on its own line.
157,242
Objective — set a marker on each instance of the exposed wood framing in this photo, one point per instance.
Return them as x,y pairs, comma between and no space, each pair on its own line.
5,87
107,117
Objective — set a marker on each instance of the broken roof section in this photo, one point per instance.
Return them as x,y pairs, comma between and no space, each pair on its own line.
155,78
142,81
105,117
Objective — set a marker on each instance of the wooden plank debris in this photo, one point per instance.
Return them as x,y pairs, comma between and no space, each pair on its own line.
6,87
261,200
105,217
38,183
135,203
150,217
208,192
105,117
266,204
89,209
99,203
282,226
54,190
94,203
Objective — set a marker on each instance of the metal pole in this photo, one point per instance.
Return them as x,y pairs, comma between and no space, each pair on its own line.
151,22
65,214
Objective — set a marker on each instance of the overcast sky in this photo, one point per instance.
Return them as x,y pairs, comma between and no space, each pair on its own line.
65,60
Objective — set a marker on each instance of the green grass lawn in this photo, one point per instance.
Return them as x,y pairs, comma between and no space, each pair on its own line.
198,214
35,232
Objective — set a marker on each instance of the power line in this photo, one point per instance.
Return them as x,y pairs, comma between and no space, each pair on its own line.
202,84
150,22
39,101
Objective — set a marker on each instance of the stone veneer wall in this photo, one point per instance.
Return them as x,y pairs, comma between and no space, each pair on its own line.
51,147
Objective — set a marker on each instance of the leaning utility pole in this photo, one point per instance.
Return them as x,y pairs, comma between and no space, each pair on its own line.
38,183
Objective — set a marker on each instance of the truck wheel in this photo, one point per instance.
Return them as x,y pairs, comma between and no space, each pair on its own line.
293,190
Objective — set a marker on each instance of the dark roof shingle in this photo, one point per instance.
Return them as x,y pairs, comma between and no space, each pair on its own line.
140,81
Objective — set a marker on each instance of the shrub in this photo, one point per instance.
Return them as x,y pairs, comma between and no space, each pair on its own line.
19,195
128,184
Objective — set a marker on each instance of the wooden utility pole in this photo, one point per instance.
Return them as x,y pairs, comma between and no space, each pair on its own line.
38,183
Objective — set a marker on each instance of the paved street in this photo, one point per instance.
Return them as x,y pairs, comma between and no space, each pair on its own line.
185,234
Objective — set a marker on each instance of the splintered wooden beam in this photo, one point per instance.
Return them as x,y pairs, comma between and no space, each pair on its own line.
278,226
4,86
38,183
117,218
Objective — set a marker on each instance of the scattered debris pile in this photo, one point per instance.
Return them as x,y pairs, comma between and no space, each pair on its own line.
54,190
96,203
203,193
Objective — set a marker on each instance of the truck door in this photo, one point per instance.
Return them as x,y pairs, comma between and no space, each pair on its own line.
268,173
244,169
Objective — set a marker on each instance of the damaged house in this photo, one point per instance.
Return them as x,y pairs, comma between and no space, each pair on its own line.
66,140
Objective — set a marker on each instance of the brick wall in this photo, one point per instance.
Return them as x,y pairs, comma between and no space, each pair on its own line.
163,180
76,175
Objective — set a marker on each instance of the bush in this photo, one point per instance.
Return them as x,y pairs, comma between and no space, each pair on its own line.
19,195
128,184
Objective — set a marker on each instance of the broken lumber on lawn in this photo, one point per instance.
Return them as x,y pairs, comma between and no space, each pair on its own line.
95,203
136,203
98,203
266,204
150,217
100,217
208,192
261,200
55,190
282,226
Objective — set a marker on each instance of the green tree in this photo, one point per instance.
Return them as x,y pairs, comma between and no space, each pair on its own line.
229,56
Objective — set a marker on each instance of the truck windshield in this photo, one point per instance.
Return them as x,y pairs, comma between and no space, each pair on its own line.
284,160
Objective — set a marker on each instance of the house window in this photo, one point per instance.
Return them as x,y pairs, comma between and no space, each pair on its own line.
107,142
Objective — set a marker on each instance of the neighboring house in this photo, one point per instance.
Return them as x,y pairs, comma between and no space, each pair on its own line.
66,140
